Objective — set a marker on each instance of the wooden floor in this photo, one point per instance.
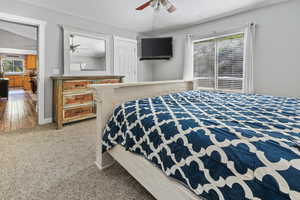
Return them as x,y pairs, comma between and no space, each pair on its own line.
18,111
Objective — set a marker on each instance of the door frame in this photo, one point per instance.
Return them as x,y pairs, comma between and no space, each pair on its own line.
41,25
117,38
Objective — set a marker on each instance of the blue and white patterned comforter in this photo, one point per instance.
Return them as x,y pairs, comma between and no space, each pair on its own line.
220,145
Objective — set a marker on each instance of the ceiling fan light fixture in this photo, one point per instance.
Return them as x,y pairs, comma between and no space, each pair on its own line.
171,9
156,4
169,6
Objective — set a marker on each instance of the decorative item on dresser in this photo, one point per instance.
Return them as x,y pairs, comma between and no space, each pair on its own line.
73,99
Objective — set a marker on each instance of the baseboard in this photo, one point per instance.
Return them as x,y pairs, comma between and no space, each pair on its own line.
46,121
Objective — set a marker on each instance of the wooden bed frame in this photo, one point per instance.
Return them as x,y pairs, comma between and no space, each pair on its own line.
152,178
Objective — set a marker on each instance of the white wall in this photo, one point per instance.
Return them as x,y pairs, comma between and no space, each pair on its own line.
54,41
145,70
277,53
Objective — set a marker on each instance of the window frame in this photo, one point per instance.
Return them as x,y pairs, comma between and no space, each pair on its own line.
13,59
216,77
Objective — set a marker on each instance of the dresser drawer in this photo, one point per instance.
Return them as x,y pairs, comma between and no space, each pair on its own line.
75,85
107,81
78,113
81,98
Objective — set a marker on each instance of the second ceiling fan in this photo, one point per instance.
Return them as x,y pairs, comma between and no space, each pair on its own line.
156,4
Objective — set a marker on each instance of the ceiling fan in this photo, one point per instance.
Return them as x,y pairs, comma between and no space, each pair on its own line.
156,4
73,47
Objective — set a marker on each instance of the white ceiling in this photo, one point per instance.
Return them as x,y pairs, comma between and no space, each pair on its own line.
122,13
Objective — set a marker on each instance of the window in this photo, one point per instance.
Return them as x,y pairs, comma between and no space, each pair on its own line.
12,65
219,62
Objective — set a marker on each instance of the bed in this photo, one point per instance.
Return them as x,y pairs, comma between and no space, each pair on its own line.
200,144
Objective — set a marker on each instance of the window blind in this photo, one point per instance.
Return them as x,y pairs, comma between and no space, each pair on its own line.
219,62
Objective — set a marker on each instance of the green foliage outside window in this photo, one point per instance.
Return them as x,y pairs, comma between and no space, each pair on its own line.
12,65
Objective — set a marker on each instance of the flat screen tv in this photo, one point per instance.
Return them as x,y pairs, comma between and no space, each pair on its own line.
156,48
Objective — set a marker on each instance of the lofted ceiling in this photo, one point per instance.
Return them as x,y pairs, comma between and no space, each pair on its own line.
17,36
25,31
122,13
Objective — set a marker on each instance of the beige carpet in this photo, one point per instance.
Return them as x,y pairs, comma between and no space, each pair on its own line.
48,164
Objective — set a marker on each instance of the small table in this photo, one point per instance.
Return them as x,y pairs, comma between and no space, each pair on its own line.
4,87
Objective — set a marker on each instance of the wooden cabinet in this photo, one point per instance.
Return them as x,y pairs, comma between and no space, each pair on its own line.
15,80
26,83
11,82
22,81
69,86
31,62
73,99
19,81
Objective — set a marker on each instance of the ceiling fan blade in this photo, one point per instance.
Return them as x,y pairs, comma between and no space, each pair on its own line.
145,5
76,46
168,5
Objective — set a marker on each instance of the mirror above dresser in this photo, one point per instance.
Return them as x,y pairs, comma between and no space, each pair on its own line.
85,53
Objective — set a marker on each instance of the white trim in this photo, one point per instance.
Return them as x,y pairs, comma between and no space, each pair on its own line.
125,39
18,51
42,54
47,121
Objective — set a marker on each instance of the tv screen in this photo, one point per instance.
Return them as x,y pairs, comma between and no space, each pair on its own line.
157,48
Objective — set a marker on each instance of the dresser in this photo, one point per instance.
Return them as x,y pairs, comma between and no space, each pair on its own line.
73,99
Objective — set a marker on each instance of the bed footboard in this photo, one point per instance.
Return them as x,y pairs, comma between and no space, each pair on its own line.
109,95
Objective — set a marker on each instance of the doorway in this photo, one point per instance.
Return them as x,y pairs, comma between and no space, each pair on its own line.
19,70
22,59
